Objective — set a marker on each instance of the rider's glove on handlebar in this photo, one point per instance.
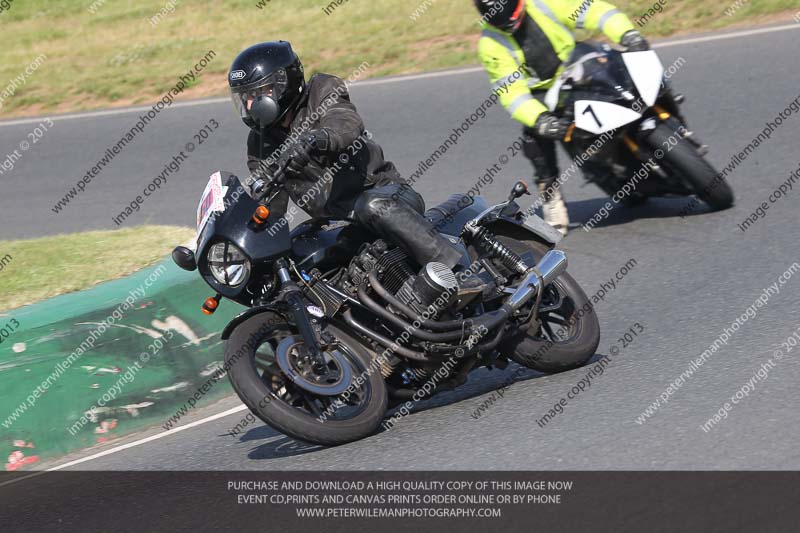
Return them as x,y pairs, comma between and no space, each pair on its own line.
298,156
634,42
549,126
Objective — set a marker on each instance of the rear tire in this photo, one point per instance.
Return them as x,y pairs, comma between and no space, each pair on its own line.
530,349
251,387
684,159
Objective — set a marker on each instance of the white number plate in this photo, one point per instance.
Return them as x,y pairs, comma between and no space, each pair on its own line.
600,117
211,201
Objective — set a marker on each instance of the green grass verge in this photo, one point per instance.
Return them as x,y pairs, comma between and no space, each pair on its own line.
49,266
103,53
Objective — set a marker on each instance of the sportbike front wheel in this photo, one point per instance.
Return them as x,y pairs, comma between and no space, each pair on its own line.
685,161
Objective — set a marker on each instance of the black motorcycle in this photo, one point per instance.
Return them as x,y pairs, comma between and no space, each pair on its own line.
630,138
340,322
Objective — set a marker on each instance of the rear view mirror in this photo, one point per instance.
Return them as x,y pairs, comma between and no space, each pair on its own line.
184,258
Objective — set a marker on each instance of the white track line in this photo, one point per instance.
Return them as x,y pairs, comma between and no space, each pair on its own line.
134,443
371,82
422,76
150,438
386,81
112,112
724,36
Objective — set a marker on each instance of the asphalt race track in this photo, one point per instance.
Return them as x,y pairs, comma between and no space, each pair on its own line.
692,278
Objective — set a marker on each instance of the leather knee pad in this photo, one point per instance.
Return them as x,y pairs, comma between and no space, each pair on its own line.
374,203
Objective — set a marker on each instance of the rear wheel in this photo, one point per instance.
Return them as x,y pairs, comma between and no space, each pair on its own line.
256,375
685,161
567,334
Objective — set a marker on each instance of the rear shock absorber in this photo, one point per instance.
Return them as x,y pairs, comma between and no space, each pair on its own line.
486,242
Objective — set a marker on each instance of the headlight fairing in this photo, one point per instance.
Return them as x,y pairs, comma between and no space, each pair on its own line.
228,264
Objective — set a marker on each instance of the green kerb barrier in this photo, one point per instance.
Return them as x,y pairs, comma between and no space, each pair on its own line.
85,349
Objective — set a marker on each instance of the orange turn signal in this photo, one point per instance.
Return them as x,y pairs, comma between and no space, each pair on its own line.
662,113
210,305
261,215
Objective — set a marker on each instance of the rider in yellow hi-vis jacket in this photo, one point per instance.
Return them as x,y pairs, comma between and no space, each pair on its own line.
523,46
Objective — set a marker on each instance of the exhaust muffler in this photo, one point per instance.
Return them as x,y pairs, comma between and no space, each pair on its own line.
553,264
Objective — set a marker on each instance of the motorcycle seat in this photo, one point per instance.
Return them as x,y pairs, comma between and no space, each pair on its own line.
450,216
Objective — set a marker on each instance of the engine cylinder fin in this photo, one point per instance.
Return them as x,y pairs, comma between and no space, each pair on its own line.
395,269
321,293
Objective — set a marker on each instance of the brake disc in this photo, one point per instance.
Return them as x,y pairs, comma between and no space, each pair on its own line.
334,381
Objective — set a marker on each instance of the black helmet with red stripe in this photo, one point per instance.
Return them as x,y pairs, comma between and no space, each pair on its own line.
504,14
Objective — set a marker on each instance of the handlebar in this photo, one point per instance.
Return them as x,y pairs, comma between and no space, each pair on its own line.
262,187
264,184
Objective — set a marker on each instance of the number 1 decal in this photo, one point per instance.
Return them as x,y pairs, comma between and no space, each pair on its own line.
589,109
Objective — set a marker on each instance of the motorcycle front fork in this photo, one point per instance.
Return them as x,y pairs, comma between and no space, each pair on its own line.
671,102
290,292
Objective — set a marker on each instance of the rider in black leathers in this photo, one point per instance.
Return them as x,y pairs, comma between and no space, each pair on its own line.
315,131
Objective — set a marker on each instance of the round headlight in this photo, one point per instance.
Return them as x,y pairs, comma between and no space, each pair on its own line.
228,264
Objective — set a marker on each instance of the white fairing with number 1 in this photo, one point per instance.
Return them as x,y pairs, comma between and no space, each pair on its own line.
599,117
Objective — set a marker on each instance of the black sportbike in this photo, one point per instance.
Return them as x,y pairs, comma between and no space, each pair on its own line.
340,322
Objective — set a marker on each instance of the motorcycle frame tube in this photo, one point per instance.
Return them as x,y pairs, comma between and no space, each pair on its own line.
406,352
383,341
492,344
399,322
469,364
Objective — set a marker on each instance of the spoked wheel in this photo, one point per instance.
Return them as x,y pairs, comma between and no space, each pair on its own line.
566,334
308,386
331,402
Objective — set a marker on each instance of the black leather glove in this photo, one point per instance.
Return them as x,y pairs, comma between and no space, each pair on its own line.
549,126
298,156
634,42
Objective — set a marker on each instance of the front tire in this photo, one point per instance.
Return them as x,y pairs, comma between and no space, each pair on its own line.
249,353
684,159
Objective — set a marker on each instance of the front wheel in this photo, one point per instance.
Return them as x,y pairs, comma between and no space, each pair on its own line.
256,375
568,332
685,161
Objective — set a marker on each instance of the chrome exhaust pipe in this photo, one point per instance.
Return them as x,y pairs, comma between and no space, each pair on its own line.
553,264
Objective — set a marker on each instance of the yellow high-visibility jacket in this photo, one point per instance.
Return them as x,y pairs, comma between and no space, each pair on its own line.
503,57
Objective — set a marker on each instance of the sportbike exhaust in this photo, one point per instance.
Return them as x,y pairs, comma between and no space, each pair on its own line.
552,265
